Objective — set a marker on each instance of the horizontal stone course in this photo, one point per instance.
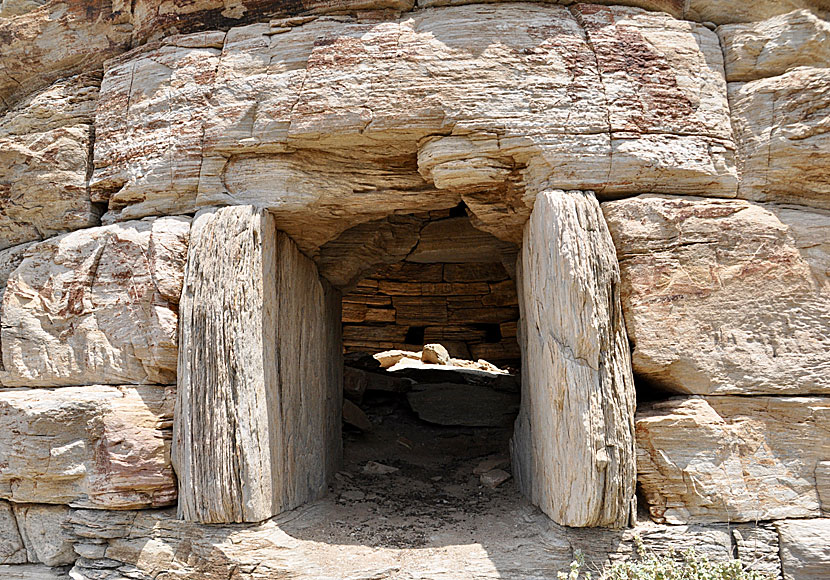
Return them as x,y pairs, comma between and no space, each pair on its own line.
95,446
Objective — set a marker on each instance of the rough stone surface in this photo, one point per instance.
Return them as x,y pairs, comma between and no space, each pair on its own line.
757,548
575,435
463,405
805,552
55,41
775,46
96,306
45,145
33,572
781,131
96,446
260,379
43,531
506,545
732,459
724,296
12,548
347,120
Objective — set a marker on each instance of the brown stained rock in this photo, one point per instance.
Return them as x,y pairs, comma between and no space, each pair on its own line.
45,145
354,416
310,122
94,446
494,478
708,287
72,37
96,306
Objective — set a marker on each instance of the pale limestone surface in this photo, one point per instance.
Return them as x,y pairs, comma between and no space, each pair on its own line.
45,145
30,572
96,306
805,551
781,130
722,296
509,545
260,373
94,446
729,11
347,120
732,459
574,434
775,46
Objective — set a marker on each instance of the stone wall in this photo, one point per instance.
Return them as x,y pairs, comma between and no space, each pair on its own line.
698,127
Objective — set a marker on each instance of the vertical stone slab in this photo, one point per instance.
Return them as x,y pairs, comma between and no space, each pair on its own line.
257,421
573,446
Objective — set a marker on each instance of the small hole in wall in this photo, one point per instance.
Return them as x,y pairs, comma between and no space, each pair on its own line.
415,335
459,211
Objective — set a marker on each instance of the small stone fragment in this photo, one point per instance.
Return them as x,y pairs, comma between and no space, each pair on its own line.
375,468
354,416
494,478
435,354
390,358
491,463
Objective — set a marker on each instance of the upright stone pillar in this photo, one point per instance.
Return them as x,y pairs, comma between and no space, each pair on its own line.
573,446
257,423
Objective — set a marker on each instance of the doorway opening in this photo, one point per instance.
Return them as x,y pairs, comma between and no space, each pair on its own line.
432,379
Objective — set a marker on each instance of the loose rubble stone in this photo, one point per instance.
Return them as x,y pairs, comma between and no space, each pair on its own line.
96,306
732,459
435,354
575,435
95,446
712,288
375,468
494,478
354,416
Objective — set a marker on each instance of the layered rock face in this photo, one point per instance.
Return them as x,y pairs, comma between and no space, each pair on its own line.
647,180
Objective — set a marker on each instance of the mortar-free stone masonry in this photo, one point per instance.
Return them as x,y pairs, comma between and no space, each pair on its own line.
188,188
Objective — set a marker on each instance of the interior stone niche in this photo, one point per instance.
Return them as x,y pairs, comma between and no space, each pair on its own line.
450,286
257,422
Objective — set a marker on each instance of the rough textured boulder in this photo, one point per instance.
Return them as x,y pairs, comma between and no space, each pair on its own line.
260,373
805,552
72,37
45,145
722,296
333,122
95,446
574,435
732,459
96,306
775,46
781,131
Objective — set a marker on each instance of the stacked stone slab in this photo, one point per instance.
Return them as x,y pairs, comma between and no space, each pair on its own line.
257,422
701,126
